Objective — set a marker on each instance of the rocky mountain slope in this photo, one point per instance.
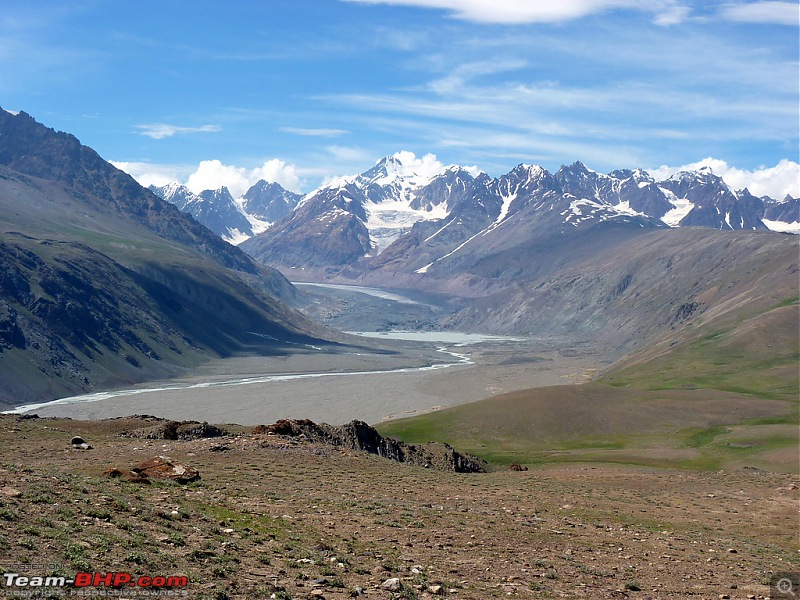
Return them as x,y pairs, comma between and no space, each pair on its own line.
103,283
625,286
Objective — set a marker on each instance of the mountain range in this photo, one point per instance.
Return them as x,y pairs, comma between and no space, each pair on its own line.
616,260
234,220
353,220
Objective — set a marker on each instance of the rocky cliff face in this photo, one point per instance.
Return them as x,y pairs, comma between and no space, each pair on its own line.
269,201
232,219
785,211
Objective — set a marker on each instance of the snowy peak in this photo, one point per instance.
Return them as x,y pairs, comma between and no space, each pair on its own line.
637,176
711,203
531,177
402,169
703,176
216,209
389,198
177,194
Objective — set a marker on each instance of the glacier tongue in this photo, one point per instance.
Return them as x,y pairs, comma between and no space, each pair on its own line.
388,220
682,208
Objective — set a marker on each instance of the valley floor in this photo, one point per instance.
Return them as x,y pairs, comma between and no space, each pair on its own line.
277,518
368,383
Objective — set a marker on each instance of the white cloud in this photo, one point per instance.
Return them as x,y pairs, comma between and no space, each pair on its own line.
674,15
534,11
427,166
776,13
159,131
315,132
148,174
460,75
776,182
277,171
213,174
350,154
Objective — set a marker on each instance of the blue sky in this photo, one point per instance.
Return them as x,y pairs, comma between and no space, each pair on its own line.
295,91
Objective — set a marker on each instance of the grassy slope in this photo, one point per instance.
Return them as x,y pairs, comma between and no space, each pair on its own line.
721,392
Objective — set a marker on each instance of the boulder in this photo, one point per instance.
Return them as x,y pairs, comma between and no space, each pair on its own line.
157,467
393,584
79,444
161,467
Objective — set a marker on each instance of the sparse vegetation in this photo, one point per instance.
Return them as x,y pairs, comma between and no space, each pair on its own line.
539,533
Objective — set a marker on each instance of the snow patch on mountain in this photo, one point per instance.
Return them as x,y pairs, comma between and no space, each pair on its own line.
782,226
581,210
388,220
624,208
682,208
391,187
236,237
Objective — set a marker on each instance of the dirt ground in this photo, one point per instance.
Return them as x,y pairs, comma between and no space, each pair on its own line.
278,518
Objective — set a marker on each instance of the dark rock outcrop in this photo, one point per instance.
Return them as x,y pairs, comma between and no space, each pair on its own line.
358,435
177,430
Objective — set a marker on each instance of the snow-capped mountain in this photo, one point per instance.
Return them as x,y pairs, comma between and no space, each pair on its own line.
234,220
402,215
389,198
416,215
714,204
360,216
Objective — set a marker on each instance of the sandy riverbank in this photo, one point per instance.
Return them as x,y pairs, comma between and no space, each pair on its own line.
234,390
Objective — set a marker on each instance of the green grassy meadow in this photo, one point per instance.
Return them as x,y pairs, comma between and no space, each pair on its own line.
722,395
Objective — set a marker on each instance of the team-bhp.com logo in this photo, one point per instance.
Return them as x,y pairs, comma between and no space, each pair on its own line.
158,585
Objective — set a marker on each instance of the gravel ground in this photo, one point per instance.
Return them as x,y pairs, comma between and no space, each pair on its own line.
278,518
238,395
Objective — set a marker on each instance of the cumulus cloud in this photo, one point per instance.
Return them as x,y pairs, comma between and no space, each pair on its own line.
519,11
776,13
159,131
148,174
277,171
775,182
213,174
427,166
